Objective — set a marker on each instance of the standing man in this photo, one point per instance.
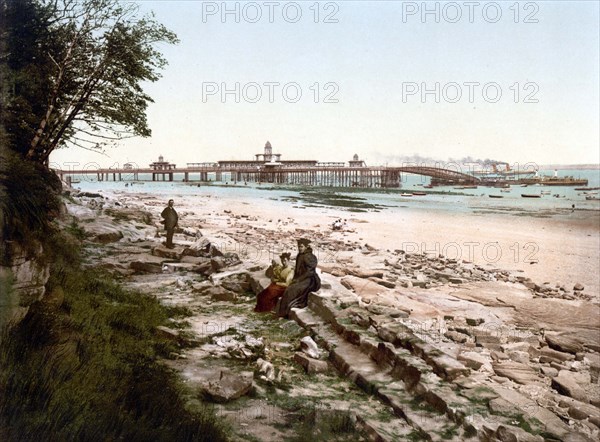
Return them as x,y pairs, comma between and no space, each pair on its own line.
170,219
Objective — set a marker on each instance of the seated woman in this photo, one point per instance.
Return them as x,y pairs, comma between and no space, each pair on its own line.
281,276
305,280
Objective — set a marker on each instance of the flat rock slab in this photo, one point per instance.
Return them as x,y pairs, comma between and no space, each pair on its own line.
566,385
549,355
520,373
364,288
550,423
473,360
173,267
225,387
309,364
165,252
566,344
103,230
217,293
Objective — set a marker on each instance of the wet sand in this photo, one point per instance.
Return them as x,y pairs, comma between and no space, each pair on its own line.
563,249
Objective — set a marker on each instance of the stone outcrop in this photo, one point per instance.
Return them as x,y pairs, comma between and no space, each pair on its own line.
22,282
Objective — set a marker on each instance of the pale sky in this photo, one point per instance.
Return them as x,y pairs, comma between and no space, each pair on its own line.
375,59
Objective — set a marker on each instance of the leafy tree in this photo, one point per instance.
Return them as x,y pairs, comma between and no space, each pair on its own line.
91,60
25,71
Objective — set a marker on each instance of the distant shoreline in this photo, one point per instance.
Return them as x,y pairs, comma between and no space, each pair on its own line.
570,166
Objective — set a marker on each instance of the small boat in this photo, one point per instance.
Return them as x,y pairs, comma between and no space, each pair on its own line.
505,190
428,187
545,192
470,187
587,188
526,195
524,185
419,193
592,198
406,194
496,196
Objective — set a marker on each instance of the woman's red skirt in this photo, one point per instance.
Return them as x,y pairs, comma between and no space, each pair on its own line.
267,299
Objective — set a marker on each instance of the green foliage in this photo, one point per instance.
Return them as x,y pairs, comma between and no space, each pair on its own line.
71,73
28,201
88,368
103,51
25,71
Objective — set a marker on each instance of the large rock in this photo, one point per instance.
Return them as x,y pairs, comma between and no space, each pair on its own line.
202,265
145,267
308,346
238,283
217,293
456,336
219,263
365,274
508,433
167,253
566,385
103,230
563,343
549,422
473,360
129,214
228,386
383,282
200,247
332,269
205,247
258,282
520,373
309,364
550,355
578,437
364,288
108,237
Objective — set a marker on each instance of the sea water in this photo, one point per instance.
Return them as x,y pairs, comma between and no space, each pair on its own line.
445,198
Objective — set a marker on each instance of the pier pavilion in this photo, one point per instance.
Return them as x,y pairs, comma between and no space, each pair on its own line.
268,167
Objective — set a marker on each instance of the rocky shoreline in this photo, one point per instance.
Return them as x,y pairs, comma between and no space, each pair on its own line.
399,346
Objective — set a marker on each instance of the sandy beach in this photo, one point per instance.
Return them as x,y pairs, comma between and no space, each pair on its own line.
417,305
564,249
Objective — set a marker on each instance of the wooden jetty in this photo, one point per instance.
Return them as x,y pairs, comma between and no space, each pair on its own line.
268,168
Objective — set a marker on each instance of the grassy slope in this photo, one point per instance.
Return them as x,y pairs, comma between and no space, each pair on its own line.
85,365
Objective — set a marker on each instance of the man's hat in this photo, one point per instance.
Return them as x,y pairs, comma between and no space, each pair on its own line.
304,241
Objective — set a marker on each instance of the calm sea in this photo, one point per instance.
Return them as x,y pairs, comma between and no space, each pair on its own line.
559,199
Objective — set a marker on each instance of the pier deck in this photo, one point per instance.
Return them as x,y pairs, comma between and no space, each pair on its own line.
335,176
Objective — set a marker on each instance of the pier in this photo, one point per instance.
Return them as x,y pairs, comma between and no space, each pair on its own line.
267,167
310,176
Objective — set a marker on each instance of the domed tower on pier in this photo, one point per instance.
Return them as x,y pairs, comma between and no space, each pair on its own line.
355,162
268,151
268,155
161,164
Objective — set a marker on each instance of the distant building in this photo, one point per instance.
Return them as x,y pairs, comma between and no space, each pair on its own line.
266,159
128,166
355,162
161,164
268,156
